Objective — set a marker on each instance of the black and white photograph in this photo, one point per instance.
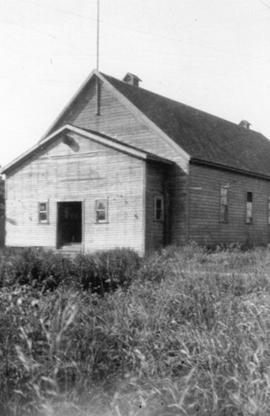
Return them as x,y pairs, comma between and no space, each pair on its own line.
135,208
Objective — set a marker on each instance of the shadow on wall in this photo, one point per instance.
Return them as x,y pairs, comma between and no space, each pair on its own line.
2,213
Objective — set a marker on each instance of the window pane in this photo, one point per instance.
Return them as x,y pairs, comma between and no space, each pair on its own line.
43,212
43,206
101,216
158,209
224,210
158,203
249,208
101,210
100,205
43,216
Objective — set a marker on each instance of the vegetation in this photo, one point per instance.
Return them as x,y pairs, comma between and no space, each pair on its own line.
183,332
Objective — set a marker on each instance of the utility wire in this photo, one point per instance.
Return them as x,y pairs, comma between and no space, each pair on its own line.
265,4
120,28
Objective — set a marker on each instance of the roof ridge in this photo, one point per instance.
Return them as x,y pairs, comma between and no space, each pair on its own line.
174,101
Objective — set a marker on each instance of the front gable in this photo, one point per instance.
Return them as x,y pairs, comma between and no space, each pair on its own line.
72,170
118,118
74,142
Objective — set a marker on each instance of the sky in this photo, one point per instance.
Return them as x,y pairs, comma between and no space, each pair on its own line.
213,55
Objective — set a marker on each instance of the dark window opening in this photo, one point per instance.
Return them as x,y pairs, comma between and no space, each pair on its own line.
158,208
224,206
249,208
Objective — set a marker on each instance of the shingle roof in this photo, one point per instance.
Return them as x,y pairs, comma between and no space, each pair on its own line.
203,136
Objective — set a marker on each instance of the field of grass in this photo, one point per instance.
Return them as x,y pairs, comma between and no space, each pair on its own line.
183,332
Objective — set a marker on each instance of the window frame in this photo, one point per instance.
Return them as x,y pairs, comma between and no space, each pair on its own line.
224,214
249,207
106,210
156,210
42,211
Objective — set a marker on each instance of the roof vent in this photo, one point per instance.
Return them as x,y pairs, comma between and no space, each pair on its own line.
245,124
132,79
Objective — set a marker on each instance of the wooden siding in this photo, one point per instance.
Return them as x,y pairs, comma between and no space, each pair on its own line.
204,207
115,119
171,183
2,231
177,207
155,186
91,172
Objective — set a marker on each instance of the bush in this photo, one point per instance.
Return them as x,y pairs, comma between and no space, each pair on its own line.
106,270
35,267
100,272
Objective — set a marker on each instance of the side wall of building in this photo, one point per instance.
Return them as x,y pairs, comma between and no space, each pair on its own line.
155,230
204,221
86,173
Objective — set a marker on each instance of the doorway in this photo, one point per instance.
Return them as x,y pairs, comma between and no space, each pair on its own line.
69,223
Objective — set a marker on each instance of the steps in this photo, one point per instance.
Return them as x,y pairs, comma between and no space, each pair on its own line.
70,250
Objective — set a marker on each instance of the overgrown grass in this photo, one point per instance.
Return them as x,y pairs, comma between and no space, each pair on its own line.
188,334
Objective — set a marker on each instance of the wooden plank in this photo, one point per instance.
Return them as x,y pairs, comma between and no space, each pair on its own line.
205,226
107,174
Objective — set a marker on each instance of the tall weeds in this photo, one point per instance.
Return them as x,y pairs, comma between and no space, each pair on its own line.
190,335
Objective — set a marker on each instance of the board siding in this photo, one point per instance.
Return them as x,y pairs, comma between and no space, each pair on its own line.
155,186
204,212
60,174
115,120
54,177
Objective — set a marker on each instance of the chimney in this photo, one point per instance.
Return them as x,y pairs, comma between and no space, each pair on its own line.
132,79
245,124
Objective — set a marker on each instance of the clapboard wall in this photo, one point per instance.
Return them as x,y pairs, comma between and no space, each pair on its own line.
155,187
92,172
204,225
116,119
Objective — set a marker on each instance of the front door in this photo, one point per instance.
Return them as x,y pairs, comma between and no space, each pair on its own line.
69,223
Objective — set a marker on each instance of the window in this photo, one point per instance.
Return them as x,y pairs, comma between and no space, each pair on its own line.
158,208
43,216
101,210
224,208
249,217
269,210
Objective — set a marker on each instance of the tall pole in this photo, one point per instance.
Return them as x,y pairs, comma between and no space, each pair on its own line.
97,64
98,17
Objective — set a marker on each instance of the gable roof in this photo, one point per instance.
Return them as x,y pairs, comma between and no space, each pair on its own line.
89,134
196,136
203,136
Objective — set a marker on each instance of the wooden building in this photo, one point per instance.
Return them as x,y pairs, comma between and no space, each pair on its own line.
124,167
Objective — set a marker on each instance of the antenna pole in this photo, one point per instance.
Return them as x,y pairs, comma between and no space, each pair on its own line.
98,13
97,68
